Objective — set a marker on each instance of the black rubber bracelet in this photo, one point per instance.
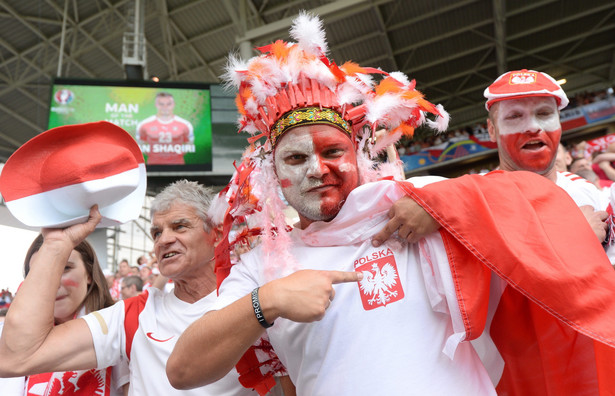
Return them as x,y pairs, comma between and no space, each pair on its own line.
256,305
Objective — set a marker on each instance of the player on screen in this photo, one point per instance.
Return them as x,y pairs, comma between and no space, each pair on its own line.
165,133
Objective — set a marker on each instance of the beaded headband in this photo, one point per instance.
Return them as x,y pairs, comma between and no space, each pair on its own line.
308,115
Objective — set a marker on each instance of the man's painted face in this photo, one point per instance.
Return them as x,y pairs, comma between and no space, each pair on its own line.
528,132
317,169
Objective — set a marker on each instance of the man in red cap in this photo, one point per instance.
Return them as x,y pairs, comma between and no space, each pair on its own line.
523,119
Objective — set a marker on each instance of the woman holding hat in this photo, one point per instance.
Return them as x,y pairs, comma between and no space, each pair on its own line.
82,289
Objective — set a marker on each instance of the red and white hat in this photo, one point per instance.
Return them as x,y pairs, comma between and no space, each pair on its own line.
54,178
522,83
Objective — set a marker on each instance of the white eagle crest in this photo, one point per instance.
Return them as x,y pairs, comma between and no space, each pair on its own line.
378,283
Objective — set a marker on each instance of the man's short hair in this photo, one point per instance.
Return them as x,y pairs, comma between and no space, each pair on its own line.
133,280
164,95
186,192
492,111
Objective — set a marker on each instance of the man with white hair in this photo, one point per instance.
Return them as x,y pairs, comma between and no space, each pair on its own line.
142,329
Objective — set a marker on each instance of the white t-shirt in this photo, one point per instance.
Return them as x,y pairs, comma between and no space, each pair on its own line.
156,319
581,191
397,332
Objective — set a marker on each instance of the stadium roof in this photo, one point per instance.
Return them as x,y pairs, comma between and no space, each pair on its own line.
454,49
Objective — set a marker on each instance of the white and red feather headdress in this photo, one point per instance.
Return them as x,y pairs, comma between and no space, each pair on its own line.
291,84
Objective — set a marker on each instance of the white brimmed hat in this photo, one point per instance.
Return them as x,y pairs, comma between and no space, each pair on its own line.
522,83
55,177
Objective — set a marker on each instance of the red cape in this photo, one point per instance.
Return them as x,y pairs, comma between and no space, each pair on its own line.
555,323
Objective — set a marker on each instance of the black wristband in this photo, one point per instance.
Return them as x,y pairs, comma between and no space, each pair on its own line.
256,305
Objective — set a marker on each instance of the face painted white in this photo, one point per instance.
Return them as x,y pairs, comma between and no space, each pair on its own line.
294,177
316,167
528,132
527,115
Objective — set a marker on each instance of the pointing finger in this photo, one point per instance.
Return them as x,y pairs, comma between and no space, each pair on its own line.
345,276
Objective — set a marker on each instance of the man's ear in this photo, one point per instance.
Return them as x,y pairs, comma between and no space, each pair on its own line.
491,130
215,235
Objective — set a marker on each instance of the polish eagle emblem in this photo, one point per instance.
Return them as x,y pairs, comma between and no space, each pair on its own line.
378,282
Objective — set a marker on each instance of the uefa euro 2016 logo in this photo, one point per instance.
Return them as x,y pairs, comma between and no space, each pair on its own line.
64,96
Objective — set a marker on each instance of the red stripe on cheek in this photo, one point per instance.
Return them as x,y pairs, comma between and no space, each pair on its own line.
284,183
70,283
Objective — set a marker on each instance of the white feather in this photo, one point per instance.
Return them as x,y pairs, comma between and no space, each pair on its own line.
307,30
441,123
251,106
231,75
347,94
217,209
401,77
378,109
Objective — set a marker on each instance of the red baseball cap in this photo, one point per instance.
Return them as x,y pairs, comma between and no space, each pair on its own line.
522,83
55,177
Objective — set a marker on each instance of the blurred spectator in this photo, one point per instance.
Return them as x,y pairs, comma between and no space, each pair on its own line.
110,277
142,260
604,164
123,269
579,150
5,298
582,167
131,286
562,159
146,276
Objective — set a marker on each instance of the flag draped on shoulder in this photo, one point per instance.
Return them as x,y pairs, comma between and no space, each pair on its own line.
554,324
